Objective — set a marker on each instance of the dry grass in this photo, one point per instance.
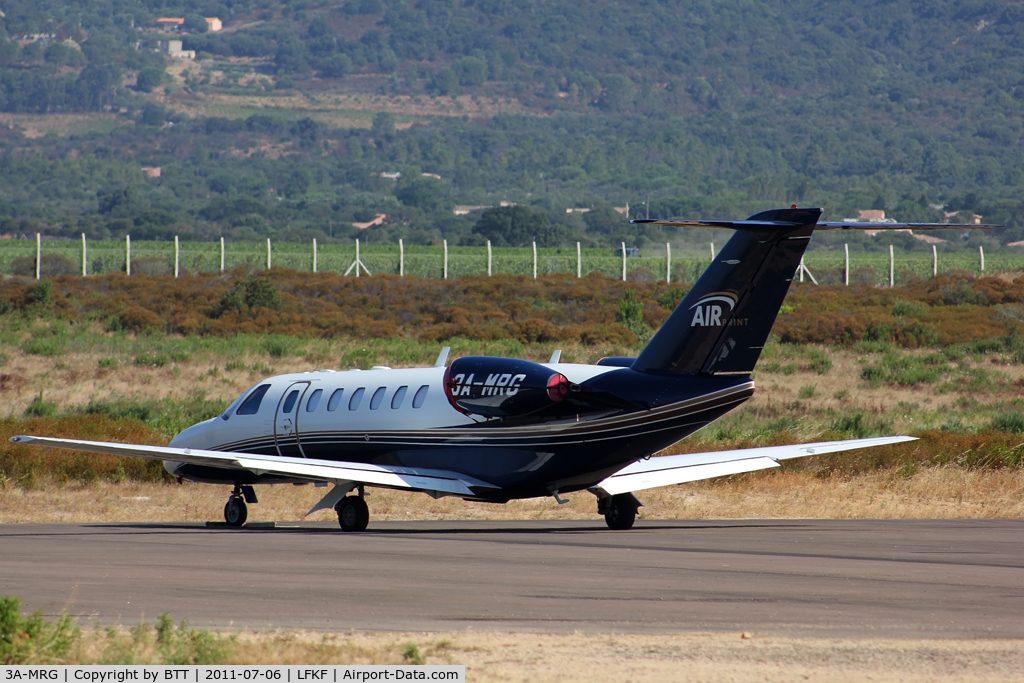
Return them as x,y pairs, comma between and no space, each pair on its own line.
940,492
345,110
734,657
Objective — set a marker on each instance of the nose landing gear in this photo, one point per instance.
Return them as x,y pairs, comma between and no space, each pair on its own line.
353,514
235,510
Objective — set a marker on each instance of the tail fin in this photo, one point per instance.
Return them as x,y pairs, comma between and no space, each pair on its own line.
723,322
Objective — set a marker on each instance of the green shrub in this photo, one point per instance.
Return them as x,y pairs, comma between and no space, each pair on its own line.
31,640
903,308
40,408
108,363
807,391
1009,422
149,360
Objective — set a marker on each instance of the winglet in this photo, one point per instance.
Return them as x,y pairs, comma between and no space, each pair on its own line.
442,357
556,356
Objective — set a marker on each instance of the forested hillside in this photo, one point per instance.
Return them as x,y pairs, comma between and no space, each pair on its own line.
690,107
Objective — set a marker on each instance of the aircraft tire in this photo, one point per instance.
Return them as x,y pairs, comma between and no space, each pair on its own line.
621,513
236,512
353,514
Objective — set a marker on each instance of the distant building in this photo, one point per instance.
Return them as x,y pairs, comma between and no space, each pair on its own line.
577,210
175,23
624,210
151,171
430,175
173,49
391,176
874,216
463,209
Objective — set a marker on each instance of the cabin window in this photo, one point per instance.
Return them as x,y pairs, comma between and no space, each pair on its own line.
335,400
377,397
289,402
357,397
420,397
396,400
251,405
314,400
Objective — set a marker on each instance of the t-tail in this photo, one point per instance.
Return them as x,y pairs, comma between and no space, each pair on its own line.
722,324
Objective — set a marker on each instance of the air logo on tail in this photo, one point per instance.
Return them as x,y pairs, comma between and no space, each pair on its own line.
708,312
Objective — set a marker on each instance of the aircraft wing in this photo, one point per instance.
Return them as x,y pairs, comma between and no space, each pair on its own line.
679,469
416,479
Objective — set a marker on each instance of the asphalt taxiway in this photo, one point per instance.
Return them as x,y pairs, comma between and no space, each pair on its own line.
879,578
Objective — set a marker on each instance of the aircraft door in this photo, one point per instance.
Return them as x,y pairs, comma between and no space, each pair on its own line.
286,420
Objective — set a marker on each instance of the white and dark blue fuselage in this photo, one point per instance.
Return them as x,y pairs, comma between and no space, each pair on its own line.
402,417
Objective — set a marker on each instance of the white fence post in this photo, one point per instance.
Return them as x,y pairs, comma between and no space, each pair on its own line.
534,260
801,269
314,255
39,255
846,271
445,259
85,257
892,270
981,259
712,251
128,255
935,261
623,261
488,258
579,261
222,254
358,260
668,263
177,255
268,254
401,258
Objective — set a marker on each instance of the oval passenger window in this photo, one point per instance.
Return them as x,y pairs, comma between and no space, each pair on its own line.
334,400
396,400
357,397
420,397
314,400
289,402
377,397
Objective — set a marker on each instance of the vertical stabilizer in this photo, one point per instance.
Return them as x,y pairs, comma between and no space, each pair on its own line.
723,322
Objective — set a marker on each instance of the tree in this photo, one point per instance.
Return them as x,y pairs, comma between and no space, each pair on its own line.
471,71
336,66
194,23
517,226
604,220
149,79
444,81
426,193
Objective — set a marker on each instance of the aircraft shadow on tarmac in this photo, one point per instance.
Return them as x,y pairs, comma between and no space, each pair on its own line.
294,528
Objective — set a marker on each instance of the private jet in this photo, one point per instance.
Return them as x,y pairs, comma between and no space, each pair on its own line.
495,429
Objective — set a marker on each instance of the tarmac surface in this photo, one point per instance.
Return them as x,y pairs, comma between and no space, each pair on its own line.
874,578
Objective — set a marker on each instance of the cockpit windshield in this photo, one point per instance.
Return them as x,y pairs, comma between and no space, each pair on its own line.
247,404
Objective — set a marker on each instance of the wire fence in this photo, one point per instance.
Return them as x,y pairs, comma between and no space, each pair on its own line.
58,257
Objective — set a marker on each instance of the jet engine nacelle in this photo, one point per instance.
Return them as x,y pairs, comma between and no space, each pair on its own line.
503,387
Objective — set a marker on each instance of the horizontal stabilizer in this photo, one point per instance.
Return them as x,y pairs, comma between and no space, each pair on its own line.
416,479
680,469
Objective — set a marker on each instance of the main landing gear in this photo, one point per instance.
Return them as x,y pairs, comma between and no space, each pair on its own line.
619,511
353,514
235,510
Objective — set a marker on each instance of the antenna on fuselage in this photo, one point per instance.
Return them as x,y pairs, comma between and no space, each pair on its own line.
442,357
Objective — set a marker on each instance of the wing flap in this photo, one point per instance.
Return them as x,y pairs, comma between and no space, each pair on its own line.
680,469
417,479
